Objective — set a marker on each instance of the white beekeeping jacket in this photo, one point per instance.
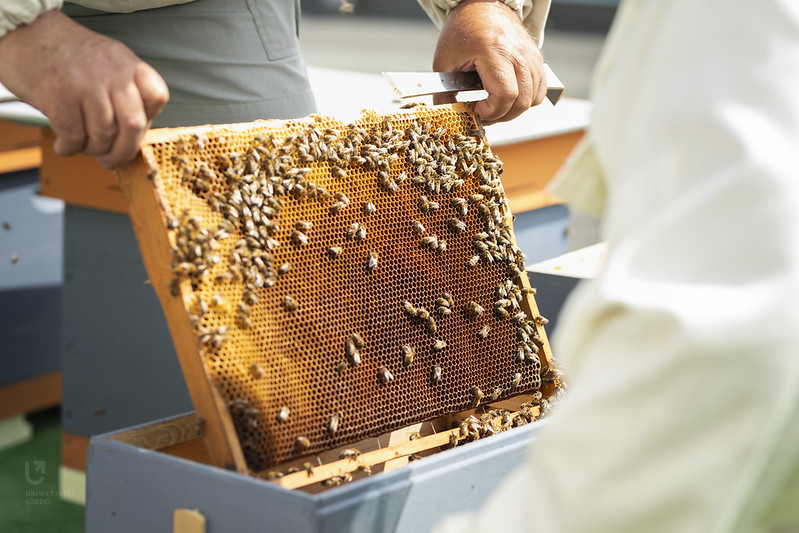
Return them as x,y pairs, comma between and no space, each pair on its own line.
683,356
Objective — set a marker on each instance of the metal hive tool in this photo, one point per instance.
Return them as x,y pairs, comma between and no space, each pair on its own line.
324,282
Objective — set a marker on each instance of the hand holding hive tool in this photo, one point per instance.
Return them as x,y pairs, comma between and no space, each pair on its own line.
411,84
325,282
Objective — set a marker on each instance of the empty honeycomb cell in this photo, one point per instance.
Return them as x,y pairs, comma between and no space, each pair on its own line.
299,236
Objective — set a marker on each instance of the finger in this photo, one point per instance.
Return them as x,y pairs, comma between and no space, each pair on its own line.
541,91
101,128
445,98
500,83
524,100
131,121
153,90
67,124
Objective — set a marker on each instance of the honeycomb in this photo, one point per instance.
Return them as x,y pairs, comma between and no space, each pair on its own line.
344,280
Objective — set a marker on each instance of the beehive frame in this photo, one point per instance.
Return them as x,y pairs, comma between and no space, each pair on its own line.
328,348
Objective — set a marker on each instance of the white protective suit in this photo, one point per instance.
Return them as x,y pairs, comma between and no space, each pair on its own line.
683,356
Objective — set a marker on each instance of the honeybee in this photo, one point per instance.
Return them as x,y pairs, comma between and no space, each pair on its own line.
495,394
298,238
369,207
336,207
541,321
352,231
341,367
283,414
516,381
424,204
430,241
384,374
349,453
431,325
472,262
477,396
473,309
455,225
371,263
290,303
357,340
453,439
334,251
520,355
439,345
302,443
483,333
256,371
459,204
174,287
408,308
332,424
250,296
308,467
435,374
352,352
417,226
476,198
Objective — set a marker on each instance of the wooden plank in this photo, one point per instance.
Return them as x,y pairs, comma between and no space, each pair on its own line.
15,136
397,437
163,434
78,179
20,159
73,450
31,395
193,450
373,458
530,165
188,521
149,224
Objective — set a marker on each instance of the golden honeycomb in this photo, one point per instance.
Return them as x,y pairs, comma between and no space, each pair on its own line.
344,280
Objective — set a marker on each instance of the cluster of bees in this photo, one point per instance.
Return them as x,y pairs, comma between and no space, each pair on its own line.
250,188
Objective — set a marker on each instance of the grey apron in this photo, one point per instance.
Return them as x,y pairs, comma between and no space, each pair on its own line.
223,60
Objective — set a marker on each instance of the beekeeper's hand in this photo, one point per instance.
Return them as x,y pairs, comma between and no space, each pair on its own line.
488,36
99,97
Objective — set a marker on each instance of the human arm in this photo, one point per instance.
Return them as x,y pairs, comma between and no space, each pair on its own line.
500,41
98,96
